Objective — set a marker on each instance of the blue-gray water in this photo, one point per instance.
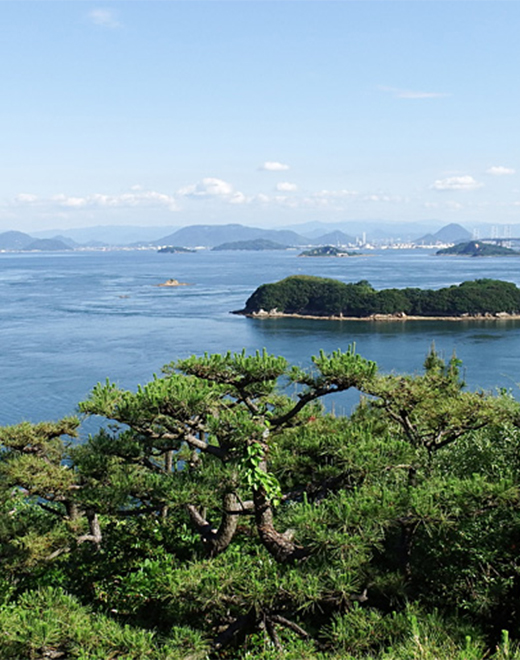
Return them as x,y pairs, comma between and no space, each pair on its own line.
70,320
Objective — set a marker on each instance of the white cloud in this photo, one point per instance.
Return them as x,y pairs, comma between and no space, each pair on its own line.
335,194
382,197
148,198
208,187
26,198
273,166
144,198
326,195
238,198
316,202
499,170
465,182
454,206
288,202
73,202
104,18
212,188
412,94
450,205
285,186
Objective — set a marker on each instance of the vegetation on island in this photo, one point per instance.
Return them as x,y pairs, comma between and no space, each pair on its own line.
318,296
478,249
256,244
327,251
217,517
174,249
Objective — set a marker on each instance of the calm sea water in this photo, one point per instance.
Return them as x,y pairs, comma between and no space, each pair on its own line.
68,321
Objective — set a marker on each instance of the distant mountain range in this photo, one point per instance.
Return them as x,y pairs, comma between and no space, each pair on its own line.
107,234
18,240
209,236
213,235
309,233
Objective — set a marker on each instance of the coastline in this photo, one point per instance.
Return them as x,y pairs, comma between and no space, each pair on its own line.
399,317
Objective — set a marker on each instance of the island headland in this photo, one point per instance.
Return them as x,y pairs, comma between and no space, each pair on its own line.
304,296
327,251
477,249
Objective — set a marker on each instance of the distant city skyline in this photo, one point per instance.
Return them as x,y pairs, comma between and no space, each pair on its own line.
272,114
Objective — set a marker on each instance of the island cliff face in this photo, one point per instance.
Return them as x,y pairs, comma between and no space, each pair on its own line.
304,295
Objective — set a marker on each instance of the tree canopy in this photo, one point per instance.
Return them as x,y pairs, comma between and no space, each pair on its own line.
318,296
215,516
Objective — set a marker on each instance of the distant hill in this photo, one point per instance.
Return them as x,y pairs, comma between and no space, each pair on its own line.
68,241
47,245
336,237
213,235
478,249
14,240
452,233
256,245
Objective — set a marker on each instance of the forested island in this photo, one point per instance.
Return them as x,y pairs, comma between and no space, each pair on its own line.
217,517
309,296
327,251
174,249
477,249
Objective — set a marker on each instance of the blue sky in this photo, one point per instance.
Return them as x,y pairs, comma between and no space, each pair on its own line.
266,113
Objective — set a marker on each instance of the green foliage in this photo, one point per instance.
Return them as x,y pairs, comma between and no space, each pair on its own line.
51,624
327,251
256,477
306,295
215,516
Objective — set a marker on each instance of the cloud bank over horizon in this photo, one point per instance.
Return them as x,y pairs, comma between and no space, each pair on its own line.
213,193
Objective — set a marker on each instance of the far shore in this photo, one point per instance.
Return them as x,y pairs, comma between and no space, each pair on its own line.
400,317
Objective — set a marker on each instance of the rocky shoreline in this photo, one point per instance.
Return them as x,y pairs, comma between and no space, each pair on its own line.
399,316
173,283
